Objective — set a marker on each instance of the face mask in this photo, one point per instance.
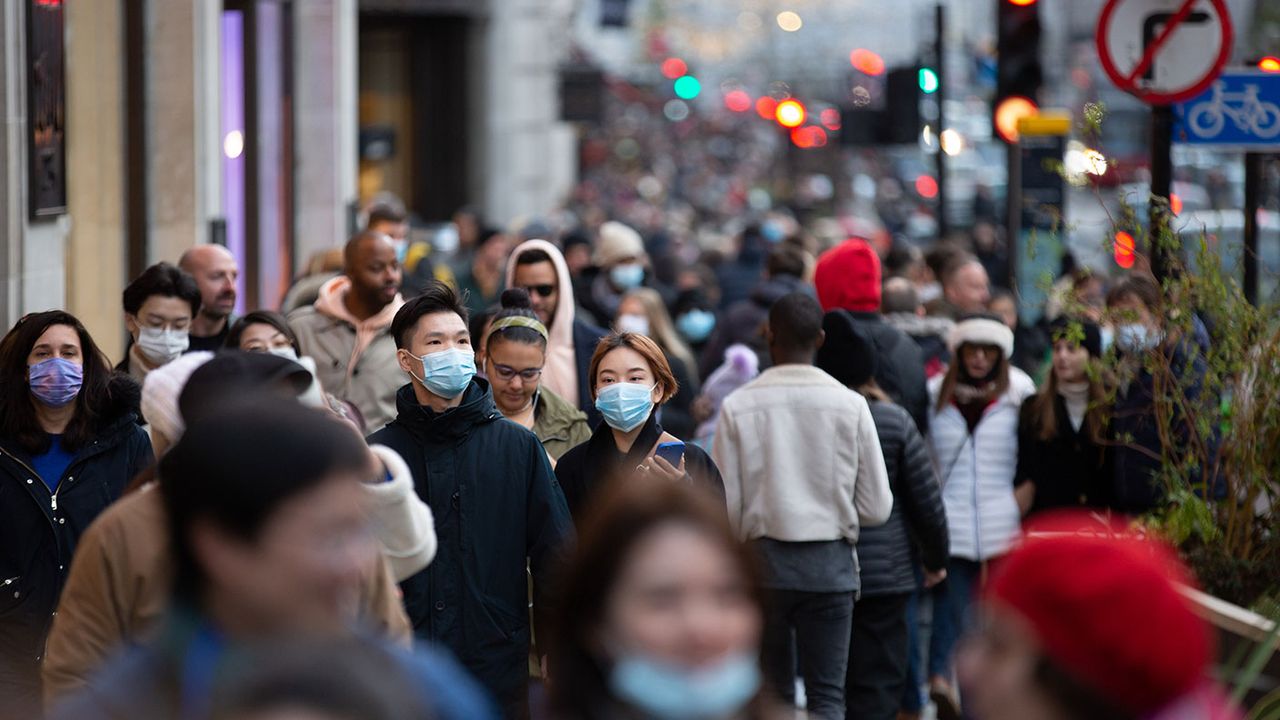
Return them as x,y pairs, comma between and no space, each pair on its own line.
287,352
313,396
626,277
637,324
447,373
56,381
162,346
676,693
625,406
402,249
1107,336
929,293
1136,337
696,325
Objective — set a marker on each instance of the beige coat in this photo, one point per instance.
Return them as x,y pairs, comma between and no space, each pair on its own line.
355,360
801,458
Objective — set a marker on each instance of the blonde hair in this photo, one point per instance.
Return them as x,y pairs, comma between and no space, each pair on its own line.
661,328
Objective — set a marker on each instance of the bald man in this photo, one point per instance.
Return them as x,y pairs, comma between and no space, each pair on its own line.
216,271
347,330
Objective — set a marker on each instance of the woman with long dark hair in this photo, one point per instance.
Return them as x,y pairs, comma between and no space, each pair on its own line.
69,443
661,613
1064,459
973,435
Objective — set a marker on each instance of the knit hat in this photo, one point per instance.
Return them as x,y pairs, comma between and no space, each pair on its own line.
981,330
617,242
160,391
1092,341
848,277
847,354
1107,610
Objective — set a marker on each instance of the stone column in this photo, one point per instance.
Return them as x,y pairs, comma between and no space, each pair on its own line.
95,267
325,73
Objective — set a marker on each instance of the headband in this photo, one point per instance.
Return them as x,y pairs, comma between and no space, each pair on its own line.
521,321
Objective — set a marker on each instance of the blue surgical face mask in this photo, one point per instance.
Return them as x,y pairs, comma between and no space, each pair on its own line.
447,373
696,325
671,692
627,277
1136,337
1107,336
625,406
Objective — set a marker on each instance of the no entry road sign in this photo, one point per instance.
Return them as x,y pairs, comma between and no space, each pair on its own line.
1164,51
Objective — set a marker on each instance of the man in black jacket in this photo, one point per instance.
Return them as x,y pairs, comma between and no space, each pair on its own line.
848,278
495,499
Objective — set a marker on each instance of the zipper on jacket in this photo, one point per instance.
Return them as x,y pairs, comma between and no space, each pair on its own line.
53,502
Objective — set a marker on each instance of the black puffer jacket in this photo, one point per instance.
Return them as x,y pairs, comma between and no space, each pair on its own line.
917,528
900,371
496,503
39,530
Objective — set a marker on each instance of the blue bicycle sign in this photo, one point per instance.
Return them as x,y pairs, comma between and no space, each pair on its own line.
1240,110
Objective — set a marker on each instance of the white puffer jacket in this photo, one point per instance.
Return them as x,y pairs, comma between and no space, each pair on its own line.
977,470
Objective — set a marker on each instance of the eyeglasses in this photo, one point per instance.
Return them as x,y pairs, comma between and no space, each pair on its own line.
508,373
544,290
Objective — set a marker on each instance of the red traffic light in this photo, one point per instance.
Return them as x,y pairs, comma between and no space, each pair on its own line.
673,68
737,100
809,137
1022,3
927,187
865,61
790,114
1124,250
1269,64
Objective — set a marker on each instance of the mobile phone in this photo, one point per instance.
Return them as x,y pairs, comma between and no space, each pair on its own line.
671,452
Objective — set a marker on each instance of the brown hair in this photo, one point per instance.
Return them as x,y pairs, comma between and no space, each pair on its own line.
648,349
625,513
948,390
1143,287
1044,413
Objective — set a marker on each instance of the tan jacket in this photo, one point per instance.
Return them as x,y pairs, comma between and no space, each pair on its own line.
118,590
355,360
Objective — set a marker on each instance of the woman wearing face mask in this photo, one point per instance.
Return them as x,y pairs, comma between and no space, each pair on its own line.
69,444
973,423
264,331
630,380
515,351
1136,305
1064,459
643,312
662,613
695,319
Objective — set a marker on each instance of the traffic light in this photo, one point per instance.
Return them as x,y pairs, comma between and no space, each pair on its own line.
900,121
1269,64
790,113
928,80
1018,70
1124,251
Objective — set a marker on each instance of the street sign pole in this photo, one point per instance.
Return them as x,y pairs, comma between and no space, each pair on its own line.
939,21
1252,191
1161,187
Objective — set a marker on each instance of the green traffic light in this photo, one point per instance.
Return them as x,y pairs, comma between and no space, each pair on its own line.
687,87
928,80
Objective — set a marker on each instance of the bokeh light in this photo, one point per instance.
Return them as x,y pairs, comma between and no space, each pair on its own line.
790,113
673,68
790,21
688,87
737,100
865,61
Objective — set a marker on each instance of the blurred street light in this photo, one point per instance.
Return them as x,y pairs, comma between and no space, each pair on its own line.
865,61
674,68
1008,113
1270,64
1124,250
928,80
951,141
766,107
790,114
688,87
789,21
737,100
675,110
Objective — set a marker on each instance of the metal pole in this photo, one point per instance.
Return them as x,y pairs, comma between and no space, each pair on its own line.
1013,210
1252,193
939,47
1161,186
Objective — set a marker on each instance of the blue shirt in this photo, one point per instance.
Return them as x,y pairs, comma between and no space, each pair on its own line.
53,462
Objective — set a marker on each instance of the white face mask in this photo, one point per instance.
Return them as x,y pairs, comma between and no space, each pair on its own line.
287,352
637,324
162,346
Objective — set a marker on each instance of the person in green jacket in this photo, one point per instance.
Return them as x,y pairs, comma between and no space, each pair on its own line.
515,351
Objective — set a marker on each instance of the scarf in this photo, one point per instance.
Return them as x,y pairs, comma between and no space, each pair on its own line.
1076,397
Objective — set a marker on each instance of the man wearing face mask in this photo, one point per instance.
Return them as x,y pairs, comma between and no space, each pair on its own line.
496,502
159,307
347,331
622,260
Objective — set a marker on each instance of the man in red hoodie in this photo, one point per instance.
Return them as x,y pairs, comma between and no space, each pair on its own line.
847,279
347,331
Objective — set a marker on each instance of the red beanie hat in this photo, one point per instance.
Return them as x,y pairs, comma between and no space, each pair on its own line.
848,277
1106,611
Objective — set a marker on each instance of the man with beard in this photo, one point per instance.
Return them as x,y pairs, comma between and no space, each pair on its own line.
347,331
215,271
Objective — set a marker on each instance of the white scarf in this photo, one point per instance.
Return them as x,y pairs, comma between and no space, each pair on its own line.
1076,396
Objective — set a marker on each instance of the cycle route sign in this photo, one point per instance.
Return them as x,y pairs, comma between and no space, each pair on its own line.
1164,51
1240,110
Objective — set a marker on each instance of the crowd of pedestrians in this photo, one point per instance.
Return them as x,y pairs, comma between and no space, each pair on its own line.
588,474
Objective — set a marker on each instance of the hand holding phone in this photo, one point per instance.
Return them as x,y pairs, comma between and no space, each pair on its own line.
672,452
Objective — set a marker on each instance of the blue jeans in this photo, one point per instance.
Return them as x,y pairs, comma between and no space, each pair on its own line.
912,698
951,602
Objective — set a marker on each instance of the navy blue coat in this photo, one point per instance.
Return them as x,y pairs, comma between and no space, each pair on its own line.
496,502
39,530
